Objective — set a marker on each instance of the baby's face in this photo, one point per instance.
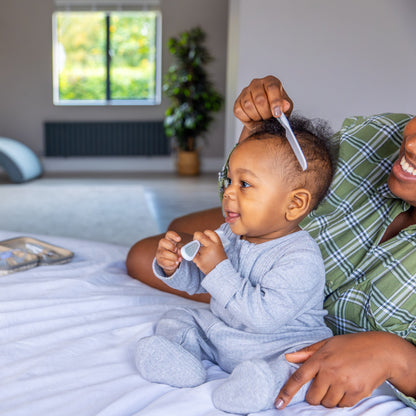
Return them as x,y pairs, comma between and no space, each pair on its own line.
257,196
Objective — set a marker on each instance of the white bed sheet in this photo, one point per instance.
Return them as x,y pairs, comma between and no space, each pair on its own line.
67,338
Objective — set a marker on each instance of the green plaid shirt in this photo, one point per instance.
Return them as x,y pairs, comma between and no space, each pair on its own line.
370,286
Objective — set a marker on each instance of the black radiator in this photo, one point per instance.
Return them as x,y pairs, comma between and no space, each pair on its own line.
105,138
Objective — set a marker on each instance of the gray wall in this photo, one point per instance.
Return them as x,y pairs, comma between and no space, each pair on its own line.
26,68
336,58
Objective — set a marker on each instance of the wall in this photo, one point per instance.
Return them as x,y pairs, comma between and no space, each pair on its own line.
26,68
336,58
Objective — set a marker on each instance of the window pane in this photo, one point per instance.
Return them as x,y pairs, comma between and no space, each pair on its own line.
133,55
82,74
81,56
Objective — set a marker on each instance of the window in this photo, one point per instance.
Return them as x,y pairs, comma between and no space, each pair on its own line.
106,57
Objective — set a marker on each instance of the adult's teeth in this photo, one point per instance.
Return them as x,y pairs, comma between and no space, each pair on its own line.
406,167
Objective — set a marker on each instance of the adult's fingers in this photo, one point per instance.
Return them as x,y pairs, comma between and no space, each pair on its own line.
301,376
305,353
277,98
331,398
245,109
350,399
333,395
262,99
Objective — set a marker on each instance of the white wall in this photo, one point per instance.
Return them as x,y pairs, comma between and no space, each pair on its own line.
26,69
335,57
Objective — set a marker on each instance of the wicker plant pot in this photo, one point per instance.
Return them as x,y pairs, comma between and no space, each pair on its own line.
188,163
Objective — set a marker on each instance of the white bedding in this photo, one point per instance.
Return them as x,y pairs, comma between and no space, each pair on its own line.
67,337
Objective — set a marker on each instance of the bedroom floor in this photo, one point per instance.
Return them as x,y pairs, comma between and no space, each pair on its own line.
167,195
58,204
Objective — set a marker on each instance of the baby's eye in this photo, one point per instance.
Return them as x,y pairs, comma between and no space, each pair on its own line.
245,184
227,182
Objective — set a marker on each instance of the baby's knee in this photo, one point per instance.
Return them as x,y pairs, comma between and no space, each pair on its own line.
175,324
179,327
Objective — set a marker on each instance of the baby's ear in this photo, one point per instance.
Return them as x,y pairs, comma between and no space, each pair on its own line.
299,203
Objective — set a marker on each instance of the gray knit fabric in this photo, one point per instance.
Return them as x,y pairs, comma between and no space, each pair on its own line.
266,299
170,363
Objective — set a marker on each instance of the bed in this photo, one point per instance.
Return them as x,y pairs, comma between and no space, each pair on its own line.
68,334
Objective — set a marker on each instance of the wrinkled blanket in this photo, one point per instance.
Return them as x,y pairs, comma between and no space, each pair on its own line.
68,335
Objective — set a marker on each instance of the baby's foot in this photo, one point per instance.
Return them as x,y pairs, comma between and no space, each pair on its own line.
250,388
162,361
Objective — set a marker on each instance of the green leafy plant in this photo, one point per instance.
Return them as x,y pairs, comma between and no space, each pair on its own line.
194,98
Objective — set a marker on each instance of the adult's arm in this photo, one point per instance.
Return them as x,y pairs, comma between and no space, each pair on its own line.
140,257
348,368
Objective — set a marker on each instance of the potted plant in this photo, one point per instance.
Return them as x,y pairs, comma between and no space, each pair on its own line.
194,98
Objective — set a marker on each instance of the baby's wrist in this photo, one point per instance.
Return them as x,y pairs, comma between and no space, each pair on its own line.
169,272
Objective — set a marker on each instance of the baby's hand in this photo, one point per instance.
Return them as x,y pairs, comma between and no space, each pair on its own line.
211,252
168,253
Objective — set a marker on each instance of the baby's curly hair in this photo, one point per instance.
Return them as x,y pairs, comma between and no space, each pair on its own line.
315,139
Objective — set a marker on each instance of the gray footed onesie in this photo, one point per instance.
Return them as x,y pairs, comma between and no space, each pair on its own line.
266,300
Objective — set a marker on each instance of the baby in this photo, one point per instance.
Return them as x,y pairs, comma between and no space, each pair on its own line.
264,274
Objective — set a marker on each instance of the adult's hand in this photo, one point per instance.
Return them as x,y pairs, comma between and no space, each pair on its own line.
262,99
347,368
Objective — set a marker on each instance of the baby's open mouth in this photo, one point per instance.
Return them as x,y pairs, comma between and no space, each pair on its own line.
230,216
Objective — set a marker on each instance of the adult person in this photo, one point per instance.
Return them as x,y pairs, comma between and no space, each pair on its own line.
366,229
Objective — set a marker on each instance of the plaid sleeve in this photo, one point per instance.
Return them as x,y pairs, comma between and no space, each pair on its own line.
407,400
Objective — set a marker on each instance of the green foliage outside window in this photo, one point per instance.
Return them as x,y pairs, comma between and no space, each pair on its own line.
82,55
